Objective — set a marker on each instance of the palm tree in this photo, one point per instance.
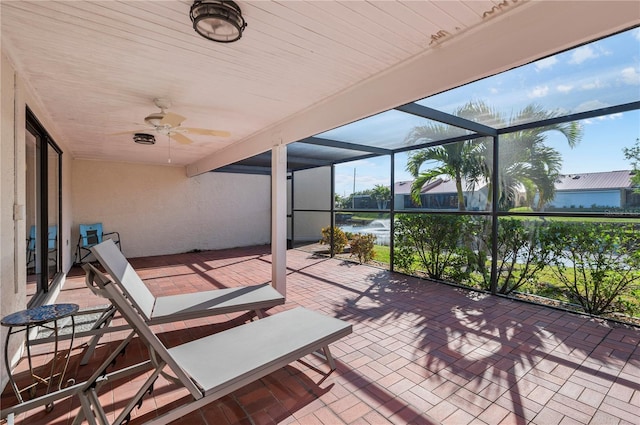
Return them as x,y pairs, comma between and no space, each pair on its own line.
524,158
456,162
381,195
633,155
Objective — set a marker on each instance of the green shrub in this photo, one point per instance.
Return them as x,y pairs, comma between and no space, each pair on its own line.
436,241
362,246
340,240
520,257
597,263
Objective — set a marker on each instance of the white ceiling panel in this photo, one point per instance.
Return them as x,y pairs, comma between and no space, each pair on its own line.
96,66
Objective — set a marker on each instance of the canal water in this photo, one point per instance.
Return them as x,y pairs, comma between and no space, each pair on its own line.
381,228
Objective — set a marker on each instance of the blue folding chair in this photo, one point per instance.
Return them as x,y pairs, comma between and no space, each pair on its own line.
90,235
52,245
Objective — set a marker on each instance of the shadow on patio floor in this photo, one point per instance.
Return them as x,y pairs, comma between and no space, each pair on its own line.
420,352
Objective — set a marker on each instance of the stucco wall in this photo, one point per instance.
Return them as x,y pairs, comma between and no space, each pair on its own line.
159,210
13,291
311,191
16,96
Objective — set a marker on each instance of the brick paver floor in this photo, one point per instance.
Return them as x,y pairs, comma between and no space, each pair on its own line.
420,352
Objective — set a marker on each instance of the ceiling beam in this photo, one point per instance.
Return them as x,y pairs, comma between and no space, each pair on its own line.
307,160
609,110
244,169
344,145
434,114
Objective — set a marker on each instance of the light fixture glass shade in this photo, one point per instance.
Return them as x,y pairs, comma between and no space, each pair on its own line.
217,20
144,139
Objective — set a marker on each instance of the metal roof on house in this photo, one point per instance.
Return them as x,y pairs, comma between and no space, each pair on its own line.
593,181
583,181
438,185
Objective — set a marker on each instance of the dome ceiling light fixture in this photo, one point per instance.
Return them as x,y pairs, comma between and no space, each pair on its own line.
144,139
217,20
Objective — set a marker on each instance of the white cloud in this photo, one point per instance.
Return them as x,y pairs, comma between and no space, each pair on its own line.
494,90
546,63
539,91
610,117
592,85
590,106
564,88
582,54
630,76
602,118
636,33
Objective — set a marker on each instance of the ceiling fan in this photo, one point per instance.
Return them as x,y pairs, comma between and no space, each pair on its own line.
169,124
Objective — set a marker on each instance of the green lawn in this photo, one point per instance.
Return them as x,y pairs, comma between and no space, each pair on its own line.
381,254
547,284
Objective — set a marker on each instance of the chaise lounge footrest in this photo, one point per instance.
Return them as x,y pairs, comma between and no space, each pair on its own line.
224,362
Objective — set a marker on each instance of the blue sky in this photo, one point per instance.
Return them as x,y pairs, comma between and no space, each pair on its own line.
595,75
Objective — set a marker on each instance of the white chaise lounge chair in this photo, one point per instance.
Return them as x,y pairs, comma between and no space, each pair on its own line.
166,309
216,365
209,367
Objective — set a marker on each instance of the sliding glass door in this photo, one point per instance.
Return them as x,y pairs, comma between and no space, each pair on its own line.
42,207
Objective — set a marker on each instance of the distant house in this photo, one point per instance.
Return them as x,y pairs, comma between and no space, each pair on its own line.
612,189
441,194
364,202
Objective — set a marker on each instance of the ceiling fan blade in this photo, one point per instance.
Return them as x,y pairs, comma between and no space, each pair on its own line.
171,119
181,138
207,132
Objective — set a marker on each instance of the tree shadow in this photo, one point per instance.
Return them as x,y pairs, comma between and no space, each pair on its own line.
484,343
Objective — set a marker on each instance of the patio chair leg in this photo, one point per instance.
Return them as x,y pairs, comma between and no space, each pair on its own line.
325,354
103,322
137,399
92,396
86,412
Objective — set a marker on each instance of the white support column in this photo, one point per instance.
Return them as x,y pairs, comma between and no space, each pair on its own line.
279,218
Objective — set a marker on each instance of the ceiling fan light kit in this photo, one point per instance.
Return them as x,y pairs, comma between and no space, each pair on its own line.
144,139
217,20
154,119
169,124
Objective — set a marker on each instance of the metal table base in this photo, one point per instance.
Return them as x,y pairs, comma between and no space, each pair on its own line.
25,320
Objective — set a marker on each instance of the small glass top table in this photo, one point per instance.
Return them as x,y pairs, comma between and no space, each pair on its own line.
39,316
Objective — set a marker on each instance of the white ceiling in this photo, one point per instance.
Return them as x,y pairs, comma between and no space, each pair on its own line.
95,67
